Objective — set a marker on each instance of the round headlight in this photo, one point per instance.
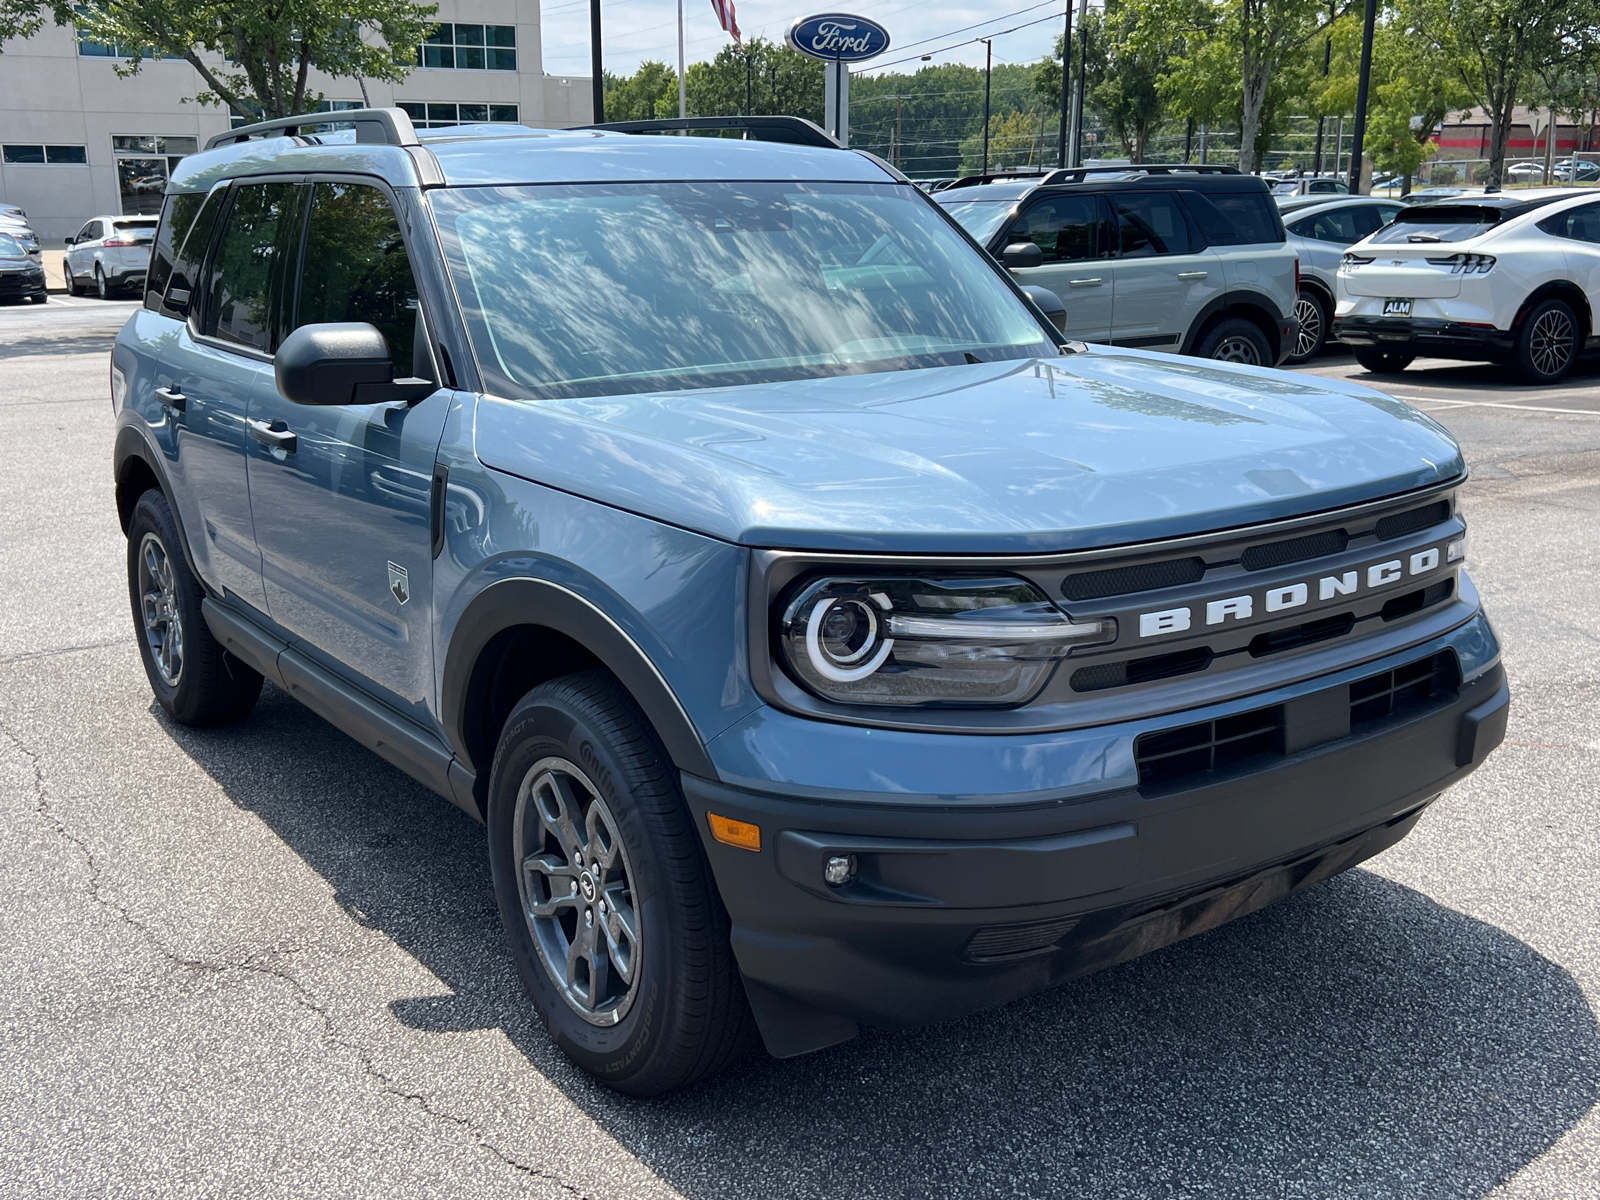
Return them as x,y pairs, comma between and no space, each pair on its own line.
845,639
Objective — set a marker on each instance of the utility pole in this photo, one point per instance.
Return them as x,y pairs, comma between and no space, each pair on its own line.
1188,139
894,145
1075,136
1361,98
749,86
1327,61
683,92
988,67
595,68
1066,64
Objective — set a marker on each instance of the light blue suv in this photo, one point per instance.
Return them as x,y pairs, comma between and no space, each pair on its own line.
822,638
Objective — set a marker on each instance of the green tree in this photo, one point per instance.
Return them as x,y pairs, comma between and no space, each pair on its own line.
1129,49
920,121
1505,52
651,91
269,48
773,78
1016,139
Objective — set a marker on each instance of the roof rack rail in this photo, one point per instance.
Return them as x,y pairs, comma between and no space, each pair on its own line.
376,126
796,131
1079,174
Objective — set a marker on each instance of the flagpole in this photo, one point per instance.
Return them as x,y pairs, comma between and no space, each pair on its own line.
683,94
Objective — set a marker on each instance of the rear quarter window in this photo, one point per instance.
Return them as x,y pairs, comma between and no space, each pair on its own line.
187,223
1236,218
177,217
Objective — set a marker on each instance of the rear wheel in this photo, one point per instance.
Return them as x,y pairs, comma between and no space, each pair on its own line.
195,680
604,890
1548,344
1312,312
101,287
1382,362
69,278
1235,340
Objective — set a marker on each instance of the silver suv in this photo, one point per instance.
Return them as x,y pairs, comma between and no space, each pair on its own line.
1189,259
109,255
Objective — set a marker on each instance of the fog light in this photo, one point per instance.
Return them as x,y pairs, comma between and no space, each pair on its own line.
1456,550
839,870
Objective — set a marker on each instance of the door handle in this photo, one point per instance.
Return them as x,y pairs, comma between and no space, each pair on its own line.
1191,274
1095,282
170,398
275,435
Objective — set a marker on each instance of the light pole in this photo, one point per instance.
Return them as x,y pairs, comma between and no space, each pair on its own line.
1075,137
988,65
1361,98
595,68
1066,62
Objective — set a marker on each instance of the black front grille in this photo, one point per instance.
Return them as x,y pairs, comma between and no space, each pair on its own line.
1141,670
1202,753
1301,635
1006,941
1404,606
1277,554
1401,524
1146,577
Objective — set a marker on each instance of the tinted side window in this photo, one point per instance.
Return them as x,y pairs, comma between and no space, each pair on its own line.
1368,219
1151,223
1065,228
1582,224
1235,218
177,217
184,286
1338,226
356,267
243,292
90,232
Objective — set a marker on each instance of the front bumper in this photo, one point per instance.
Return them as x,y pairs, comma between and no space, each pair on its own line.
957,907
1425,336
21,283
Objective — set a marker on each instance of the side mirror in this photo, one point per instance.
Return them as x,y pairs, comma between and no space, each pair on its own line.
70,241
343,362
1022,254
1049,304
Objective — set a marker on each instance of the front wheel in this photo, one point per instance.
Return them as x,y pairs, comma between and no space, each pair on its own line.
605,894
195,680
1235,340
1382,362
101,287
1548,344
1312,312
69,279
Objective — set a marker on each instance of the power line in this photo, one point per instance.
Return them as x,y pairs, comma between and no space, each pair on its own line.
964,28
968,41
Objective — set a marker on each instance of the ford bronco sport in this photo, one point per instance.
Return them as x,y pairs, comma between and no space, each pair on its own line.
822,637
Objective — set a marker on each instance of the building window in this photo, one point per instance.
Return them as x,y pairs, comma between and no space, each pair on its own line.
66,156
89,48
470,48
437,116
145,162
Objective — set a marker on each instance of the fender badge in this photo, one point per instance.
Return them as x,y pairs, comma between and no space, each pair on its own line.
399,583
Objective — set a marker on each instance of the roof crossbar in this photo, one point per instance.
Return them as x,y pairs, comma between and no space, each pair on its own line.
796,131
374,126
1079,174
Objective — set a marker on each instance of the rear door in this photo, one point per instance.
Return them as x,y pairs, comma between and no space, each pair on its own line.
1242,227
1165,274
342,510
1578,231
1074,234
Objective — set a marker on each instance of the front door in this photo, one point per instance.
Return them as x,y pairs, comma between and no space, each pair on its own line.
1164,273
342,511
1073,234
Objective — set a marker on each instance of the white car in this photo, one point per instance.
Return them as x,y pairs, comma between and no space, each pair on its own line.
1320,229
111,254
1502,278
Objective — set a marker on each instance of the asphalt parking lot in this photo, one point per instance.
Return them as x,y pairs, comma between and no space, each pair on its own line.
261,962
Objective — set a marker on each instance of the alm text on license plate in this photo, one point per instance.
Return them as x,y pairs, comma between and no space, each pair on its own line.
1397,308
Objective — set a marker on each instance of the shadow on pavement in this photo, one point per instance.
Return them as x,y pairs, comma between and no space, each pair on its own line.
97,341
1359,1040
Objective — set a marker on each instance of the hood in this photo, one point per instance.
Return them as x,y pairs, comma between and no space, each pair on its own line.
1101,448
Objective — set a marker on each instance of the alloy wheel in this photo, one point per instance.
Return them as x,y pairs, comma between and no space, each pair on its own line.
1236,350
1550,342
158,598
1310,335
576,887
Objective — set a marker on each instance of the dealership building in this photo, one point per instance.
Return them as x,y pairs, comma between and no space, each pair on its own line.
77,141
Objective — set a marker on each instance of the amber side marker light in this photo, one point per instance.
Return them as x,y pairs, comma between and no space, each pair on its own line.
735,833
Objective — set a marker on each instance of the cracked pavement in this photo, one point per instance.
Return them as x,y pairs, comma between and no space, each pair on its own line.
260,961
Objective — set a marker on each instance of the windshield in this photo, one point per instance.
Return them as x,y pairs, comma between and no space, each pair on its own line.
10,247
607,289
1439,223
980,218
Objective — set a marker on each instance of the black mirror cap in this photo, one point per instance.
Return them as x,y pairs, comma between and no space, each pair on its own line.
1022,254
1049,304
333,363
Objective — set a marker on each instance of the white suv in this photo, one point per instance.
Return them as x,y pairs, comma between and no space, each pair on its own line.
109,254
1502,278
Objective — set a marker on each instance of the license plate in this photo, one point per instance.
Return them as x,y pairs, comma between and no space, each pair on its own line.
1397,308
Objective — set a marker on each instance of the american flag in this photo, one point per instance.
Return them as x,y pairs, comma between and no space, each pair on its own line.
727,18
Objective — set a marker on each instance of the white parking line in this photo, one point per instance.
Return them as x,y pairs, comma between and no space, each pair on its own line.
1577,412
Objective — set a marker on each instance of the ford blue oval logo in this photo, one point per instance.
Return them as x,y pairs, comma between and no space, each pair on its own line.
838,37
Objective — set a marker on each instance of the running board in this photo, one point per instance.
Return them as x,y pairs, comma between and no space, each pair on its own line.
385,732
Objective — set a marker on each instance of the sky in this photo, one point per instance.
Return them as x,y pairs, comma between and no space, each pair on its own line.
635,30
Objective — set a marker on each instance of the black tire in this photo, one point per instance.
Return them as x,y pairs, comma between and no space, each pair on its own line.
1234,339
69,278
101,287
1382,362
1549,342
683,1015
195,680
1312,336
42,298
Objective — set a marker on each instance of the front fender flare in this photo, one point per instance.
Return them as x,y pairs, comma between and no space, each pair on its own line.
512,602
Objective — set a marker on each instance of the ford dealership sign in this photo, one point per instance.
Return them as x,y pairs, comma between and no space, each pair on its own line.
839,37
